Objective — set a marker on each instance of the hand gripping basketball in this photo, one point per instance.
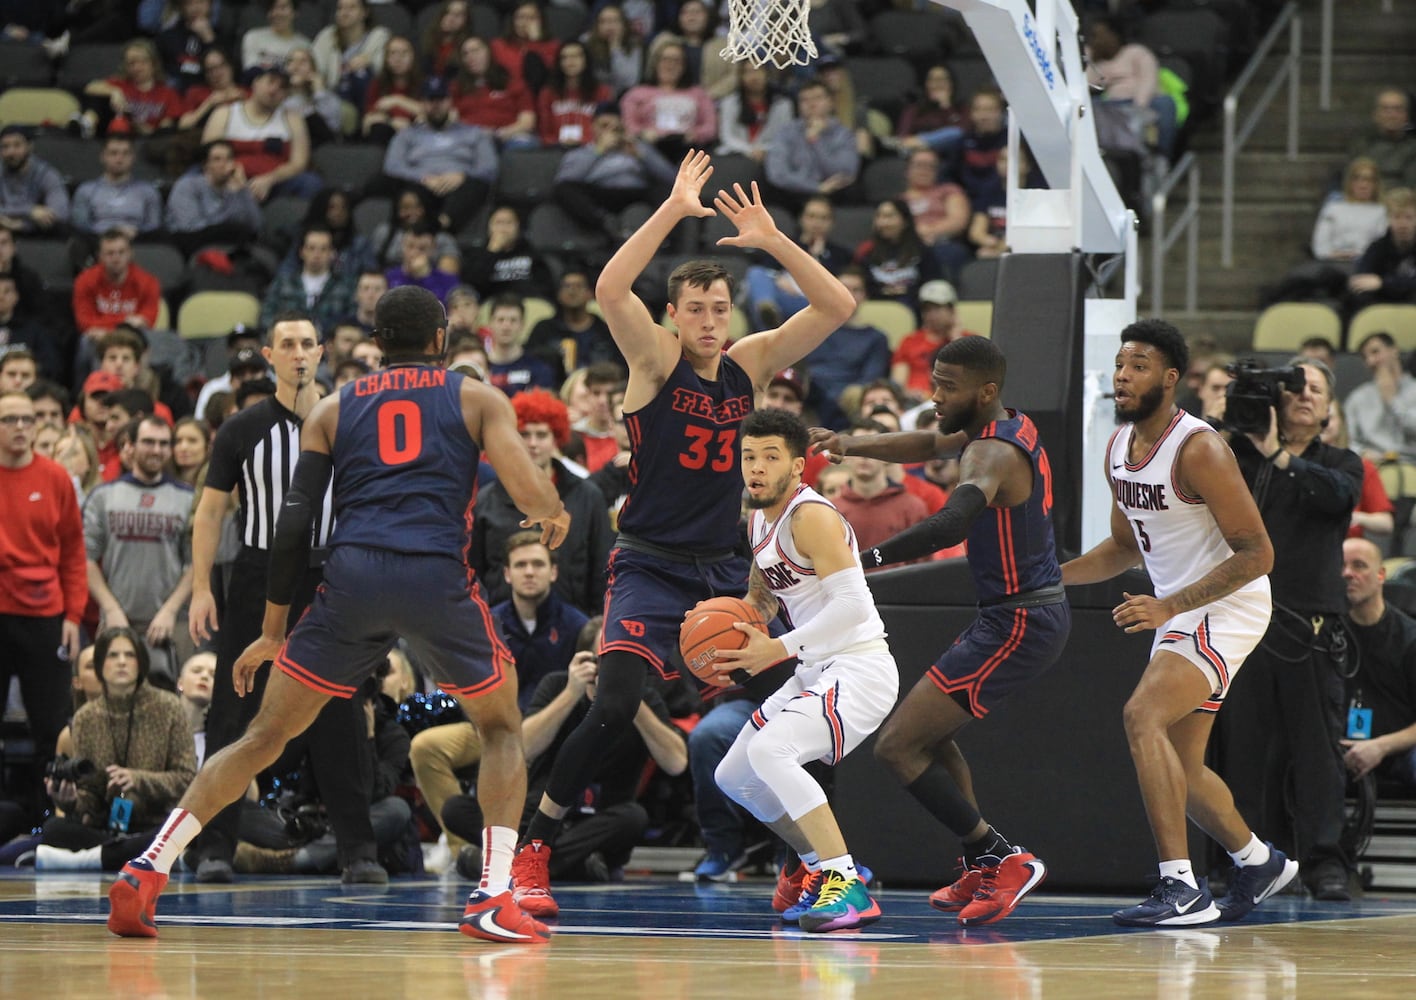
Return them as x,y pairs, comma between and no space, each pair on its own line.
708,628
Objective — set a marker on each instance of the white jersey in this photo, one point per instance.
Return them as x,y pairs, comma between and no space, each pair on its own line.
792,578
1176,533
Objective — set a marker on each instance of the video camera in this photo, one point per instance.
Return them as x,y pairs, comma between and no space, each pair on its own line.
62,768
1256,391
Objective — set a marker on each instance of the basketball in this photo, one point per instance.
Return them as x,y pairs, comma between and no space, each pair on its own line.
709,628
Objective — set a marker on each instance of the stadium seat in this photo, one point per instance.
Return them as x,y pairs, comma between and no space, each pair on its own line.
371,213
49,259
853,225
24,65
735,168
895,320
550,229
211,314
1199,36
164,262
1397,320
90,61
77,159
921,36
975,316
971,74
884,178
280,220
536,309
394,17
526,176
565,19
348,165
884,82
1285,325
37,106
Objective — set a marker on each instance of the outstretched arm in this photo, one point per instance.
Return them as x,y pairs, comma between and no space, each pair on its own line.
829,303
645,344
899,446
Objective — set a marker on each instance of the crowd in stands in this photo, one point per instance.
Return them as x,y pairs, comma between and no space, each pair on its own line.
203,131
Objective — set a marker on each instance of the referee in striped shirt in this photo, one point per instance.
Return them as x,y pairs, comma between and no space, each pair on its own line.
254,453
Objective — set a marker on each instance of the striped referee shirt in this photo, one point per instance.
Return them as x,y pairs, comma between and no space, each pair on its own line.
254,453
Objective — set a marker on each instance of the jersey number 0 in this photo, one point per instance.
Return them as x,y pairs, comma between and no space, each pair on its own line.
400,424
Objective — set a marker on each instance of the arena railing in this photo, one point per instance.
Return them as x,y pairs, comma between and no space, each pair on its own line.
1187,224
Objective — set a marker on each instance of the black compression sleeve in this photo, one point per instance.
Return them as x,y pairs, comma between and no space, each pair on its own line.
290,547
947,527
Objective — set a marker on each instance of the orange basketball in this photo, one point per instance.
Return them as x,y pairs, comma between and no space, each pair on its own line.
709,628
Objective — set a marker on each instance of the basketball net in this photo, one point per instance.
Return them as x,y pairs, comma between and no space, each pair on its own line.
769,31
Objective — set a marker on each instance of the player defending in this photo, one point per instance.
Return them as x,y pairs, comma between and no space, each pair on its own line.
403,447
804,555
683,406
1003,508
1181,505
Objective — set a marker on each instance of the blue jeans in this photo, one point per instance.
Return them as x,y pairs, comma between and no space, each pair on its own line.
302,185
762,287
719,818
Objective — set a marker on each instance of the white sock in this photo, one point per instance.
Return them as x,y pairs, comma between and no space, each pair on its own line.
498,848
56,859
842,864
1180,870
180,830
1255,852
812,861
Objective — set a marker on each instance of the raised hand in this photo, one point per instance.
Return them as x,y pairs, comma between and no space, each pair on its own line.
755,225
693,173
823,440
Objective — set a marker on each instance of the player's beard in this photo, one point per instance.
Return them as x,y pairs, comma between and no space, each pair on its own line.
1146,405
959,421
773,497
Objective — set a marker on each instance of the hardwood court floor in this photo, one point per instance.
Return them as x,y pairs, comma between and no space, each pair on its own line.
312,938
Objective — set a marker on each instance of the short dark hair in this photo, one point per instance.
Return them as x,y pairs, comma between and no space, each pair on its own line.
698,274
19,130
122,336
45,389
778,423
135,401
603,373
1163,337
407,320
17,353
261,386
105,640
114,233
209,146
287,316
975,354
1378,335
506,300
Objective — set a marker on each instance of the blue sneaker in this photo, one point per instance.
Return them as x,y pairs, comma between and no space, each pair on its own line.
811,892
1171,904
1250,885
719,866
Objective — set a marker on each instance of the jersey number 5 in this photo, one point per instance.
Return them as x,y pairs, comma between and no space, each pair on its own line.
699,439
1141,534
400,431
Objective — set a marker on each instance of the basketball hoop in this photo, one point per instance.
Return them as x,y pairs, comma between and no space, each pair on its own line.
769,31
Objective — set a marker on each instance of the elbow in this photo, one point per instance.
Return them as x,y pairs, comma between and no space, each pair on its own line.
675,765
1263,558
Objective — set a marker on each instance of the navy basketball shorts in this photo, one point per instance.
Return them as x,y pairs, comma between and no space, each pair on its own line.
1002,649
371,597
648,596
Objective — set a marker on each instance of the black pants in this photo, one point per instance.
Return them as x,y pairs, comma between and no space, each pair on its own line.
613,831
1278,743
30,650
591,206
336,741
71,835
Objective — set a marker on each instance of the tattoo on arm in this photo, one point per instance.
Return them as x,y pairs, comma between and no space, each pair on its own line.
759,595
1240,568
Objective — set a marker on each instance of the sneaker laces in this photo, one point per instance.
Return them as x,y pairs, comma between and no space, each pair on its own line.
1171,890
833,887
811,885
530,868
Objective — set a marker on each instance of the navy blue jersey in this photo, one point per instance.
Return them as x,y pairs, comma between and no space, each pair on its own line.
685,475
405,468
1011,550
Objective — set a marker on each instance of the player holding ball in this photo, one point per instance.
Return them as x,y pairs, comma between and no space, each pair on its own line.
805,557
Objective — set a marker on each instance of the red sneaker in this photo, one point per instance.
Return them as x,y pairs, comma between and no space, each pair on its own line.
498,918
789,882
531,880
955,897
132,900
1002,887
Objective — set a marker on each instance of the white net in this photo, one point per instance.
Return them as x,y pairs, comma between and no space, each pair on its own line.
769,31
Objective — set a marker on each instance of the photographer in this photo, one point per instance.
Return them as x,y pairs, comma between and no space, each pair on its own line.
133,758
1284,717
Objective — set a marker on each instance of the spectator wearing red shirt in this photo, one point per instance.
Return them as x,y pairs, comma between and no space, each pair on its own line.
218,87
565,107
485,95
113,291
394,98
443,37
43,574
875,507
136,93
602,433
913,360
524,51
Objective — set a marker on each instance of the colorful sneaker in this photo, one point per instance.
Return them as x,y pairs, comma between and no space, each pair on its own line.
1250,885
132,900
789,882
531,880
810,890
719,866
958,895
806,899
840,904
1172,903
1002,887
498,918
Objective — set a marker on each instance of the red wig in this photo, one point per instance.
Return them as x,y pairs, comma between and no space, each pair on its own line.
537,406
